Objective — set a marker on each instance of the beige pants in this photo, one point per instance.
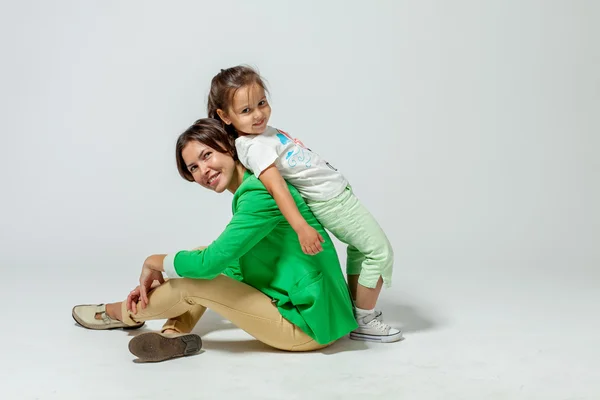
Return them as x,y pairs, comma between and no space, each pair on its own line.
183,301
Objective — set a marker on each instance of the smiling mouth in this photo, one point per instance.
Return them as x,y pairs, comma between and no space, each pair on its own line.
260,123
213,178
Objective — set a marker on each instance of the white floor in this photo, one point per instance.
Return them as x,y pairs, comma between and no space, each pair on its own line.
469,128
491,335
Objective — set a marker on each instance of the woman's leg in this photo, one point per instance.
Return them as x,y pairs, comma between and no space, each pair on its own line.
185,322
243,305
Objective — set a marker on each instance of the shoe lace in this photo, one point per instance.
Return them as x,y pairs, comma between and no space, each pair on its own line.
377,324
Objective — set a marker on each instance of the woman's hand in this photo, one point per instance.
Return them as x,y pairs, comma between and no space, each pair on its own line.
134,296
151,271
147,277
132,300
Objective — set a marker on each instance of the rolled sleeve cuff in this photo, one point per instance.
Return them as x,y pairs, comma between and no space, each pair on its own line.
169,266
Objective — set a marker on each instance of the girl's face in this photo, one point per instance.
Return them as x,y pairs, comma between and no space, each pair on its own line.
249,111
210,168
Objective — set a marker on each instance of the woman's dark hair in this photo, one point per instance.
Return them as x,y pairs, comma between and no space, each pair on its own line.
207,131
224,86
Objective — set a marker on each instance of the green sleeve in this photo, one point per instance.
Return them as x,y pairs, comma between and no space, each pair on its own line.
234,271
255,217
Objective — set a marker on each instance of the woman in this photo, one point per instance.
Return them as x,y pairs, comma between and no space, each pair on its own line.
255,274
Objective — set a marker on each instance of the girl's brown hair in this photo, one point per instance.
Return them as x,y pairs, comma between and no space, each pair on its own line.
207,131
224,86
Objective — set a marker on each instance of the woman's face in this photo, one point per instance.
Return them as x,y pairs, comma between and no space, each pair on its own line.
210,168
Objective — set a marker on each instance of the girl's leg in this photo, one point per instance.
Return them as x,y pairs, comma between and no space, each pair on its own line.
370,255
243,305
364,297
369,263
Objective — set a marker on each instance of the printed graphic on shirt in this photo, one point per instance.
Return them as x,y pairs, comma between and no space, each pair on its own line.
297,155
314,178
283,139
285,136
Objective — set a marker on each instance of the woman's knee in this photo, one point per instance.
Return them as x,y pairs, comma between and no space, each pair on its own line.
183,286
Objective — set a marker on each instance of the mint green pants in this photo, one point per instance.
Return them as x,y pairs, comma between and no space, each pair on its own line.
370,253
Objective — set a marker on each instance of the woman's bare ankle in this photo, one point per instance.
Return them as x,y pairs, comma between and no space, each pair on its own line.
113,310
170,331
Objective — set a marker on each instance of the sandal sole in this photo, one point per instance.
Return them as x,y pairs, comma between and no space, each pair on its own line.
155,347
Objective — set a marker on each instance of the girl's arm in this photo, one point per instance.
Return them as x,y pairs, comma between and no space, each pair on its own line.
310,239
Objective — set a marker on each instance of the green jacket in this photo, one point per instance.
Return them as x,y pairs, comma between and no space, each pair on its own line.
309,291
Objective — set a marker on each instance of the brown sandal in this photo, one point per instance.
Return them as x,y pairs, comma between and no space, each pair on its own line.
154,347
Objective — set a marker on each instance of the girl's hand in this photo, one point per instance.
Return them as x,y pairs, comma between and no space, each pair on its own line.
310,240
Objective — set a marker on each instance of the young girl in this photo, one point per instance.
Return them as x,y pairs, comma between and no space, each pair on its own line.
238,99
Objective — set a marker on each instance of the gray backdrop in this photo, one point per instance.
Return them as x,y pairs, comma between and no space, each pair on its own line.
469,129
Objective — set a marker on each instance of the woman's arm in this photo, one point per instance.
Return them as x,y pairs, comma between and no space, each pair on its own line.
156,261
255,217
310,239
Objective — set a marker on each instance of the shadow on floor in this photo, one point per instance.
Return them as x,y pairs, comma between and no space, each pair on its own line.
211,322
253,345
410,318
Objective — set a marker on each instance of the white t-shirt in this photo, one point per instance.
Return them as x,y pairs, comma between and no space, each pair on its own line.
314,177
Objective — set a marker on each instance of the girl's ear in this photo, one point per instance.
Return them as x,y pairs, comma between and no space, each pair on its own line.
223,115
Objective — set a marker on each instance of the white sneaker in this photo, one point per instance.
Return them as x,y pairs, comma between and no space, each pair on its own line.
372,328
